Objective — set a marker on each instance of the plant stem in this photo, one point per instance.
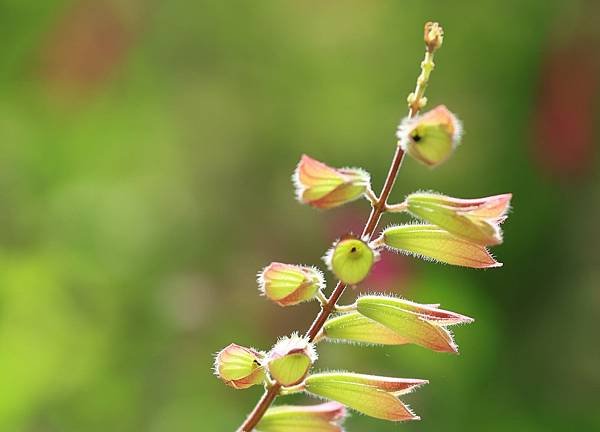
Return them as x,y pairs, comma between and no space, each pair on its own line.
416,101
261,407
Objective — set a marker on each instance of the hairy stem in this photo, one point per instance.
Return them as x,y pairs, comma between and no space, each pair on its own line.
416,101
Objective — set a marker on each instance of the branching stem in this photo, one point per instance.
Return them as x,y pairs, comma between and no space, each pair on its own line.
416,101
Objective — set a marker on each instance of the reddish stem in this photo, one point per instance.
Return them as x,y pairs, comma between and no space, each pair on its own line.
370,226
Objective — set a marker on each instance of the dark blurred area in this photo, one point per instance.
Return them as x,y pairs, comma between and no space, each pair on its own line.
146,150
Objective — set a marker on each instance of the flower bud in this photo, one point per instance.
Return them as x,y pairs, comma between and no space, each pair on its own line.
325,417
433,243
325,187
423,325
476,220
433,36
290,359
350,259
288,284
239,367
431,137
372,395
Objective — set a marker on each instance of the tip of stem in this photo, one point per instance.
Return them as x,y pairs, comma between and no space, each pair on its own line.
433,35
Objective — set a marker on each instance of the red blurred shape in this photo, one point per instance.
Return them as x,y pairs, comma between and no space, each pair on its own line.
565,116
86,45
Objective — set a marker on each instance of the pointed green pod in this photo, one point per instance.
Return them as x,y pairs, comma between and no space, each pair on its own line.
358,328
325,417
429,241
476,220
372,395
418,324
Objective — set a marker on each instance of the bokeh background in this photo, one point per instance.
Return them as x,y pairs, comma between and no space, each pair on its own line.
146,149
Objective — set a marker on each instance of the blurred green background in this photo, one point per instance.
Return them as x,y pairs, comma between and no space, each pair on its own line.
146,149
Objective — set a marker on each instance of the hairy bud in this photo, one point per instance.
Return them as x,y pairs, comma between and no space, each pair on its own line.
431,137
239,367
433,35
290,359
322,186
288,284
350,259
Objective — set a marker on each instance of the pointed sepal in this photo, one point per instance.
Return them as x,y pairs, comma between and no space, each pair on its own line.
433,243
372,395
355,327
476,220
325,417
423,325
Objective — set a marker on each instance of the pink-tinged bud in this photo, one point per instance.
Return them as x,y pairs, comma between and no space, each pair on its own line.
431,137
350,259
325,187
477,220
290,359
239,367
433,243
372,395
325,417
423,325
288,284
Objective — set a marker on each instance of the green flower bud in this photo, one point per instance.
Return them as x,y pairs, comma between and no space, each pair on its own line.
350,259
324,187
430,138
239,367
290,360
288,284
